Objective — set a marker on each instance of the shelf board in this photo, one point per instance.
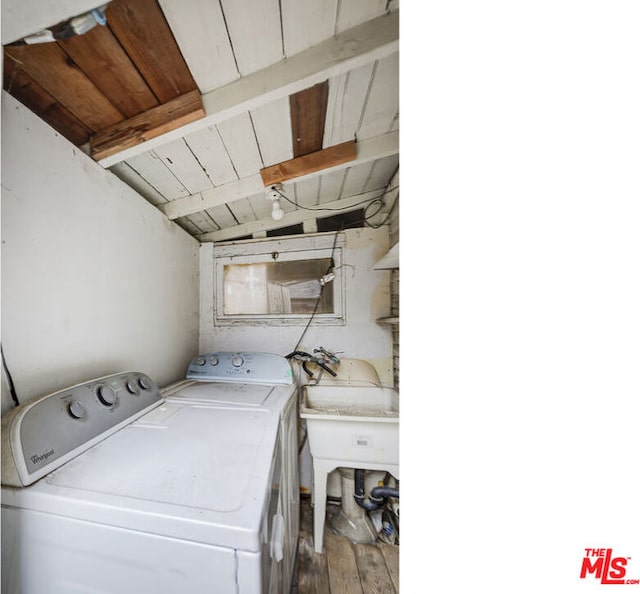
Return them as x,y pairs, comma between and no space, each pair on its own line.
390,260
392,320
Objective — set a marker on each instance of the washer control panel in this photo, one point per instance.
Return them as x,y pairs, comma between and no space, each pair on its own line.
43,434
249,367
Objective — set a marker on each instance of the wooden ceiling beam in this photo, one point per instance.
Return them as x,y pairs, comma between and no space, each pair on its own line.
307,164
142,127
350,49
291,218
366,151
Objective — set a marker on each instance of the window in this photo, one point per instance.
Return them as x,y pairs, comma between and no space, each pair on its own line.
280,281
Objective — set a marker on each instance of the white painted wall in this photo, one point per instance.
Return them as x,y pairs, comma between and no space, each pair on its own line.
367,299
95,280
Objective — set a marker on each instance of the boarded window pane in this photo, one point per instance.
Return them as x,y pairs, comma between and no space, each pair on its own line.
276,288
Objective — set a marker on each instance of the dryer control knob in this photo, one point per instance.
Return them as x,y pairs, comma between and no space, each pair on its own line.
106,395
143,383
237,361
132,387
213,360
77,409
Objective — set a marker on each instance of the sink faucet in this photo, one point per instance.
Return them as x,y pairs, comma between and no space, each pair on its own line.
321,357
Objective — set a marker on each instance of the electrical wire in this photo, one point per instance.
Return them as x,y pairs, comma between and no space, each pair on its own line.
320,208
12,388
315,307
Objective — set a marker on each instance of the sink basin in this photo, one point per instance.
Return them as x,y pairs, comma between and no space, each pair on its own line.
354,425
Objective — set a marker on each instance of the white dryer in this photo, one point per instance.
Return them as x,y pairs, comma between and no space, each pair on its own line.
114,487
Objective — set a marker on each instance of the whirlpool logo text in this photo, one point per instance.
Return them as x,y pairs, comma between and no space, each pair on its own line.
602,565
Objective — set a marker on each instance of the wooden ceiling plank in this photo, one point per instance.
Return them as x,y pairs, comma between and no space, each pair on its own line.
369,150
382,172
26,90
202,36
300,166
355,12
308,112
212,156
357,178
154,172
383,102
239,140
347,95
181,162
141,28
51,68
103,60
243,211
307,22
169,116
348,50
272,125
255,32
133,179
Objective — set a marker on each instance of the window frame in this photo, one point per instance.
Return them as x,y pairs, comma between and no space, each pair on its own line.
285,249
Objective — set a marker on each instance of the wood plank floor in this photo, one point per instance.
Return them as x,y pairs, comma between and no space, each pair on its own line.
343,567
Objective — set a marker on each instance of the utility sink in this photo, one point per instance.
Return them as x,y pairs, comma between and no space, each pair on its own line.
355,425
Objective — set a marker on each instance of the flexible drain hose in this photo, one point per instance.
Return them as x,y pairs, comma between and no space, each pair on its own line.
378,494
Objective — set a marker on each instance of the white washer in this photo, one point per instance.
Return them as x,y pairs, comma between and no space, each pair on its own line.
136,492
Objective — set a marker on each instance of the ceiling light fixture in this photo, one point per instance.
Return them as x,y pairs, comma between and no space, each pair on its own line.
273,193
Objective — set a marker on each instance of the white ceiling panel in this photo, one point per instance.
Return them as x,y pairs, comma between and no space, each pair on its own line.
272,124
347,96
355,12
209,150
306,23
356,179
181,162
255,32
381,173
243,211
306,191
239,139
199,28
383,101
331,186
139,184
151,168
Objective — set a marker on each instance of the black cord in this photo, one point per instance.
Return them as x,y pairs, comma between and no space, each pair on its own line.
12,388
315,307
320,208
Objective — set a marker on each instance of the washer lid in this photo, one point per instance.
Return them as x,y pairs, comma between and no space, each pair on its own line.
241,395
196,472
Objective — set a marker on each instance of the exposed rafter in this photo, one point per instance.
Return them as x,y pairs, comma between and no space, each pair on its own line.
366,151
292,218
350,49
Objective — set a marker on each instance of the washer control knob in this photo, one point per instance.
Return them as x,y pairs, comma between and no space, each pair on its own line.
143,383
77,409
213,360
200,361
106,395
237,361
132,387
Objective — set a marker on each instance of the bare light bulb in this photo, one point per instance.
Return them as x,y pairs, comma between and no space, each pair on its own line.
277,213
